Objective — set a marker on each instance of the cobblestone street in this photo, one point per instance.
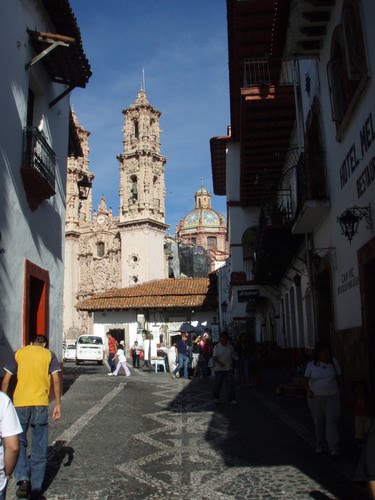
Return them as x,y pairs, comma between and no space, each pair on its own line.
149,436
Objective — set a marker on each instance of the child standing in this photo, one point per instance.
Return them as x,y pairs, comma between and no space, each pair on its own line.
360,404
121,362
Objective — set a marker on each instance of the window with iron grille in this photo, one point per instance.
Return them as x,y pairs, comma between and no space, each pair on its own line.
347,69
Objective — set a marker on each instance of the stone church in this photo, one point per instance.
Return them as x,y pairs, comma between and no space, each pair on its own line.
103,251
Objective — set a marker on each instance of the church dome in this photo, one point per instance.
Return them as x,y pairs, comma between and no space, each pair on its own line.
203,215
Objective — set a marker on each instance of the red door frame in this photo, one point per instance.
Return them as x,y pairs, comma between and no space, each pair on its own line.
42,314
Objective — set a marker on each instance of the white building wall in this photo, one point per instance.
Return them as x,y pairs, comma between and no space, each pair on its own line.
70,315
36,236
348,194
233,171
105,321
142,255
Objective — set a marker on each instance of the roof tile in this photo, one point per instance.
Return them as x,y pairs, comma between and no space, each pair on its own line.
167,293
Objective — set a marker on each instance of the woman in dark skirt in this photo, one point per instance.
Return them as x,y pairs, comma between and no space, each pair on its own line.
366,465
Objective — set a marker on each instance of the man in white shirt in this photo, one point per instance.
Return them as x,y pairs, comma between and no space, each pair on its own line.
10,428
223,356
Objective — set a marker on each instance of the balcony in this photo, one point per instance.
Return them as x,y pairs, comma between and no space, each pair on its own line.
276,245
38,169
263,71
312,199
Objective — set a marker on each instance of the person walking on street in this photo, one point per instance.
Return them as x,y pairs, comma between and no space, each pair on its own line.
223,358
10,428
322,379
112,347
136,354
33,366
182,355
197,362
121,362
207,349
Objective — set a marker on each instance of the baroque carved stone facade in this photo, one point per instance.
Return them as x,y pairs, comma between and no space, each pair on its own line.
103,251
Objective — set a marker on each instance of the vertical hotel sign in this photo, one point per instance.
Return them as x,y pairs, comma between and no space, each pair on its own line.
350,164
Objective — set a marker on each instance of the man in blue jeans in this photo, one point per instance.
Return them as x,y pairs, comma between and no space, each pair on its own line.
182,355
33,365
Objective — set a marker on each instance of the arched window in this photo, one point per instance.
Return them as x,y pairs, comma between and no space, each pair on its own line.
347,68
212,242
136,129
133,188
100,249
353,37
337,77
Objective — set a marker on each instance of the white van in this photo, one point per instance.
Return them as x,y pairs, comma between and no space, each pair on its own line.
89,348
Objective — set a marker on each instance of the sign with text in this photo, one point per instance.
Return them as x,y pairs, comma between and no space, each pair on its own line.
246,295
356,154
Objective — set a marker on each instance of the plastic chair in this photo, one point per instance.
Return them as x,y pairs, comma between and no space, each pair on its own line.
159,362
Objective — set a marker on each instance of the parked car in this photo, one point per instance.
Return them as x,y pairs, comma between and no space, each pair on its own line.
89,348
70,352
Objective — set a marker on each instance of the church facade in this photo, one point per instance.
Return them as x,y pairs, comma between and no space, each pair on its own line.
104,251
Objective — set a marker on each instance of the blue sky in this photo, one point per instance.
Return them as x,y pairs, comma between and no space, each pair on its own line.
182,47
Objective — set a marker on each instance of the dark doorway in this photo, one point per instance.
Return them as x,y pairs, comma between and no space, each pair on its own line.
368,274
36,321
36,304
324,308
118,334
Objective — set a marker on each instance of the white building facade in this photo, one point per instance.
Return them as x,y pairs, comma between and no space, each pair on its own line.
35,140
299,175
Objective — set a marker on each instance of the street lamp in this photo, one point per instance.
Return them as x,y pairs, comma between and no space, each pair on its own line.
84,186
350,218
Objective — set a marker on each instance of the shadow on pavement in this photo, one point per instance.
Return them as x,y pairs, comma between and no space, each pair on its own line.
72,372
56,455
249,435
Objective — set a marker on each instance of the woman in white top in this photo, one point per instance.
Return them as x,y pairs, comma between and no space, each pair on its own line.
121,362
322,378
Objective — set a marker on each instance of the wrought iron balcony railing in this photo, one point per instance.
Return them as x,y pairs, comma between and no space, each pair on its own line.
38,167
277,212
262,71
276,244
311,182
39,156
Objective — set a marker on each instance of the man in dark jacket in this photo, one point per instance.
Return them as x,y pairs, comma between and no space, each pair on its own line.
182,355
